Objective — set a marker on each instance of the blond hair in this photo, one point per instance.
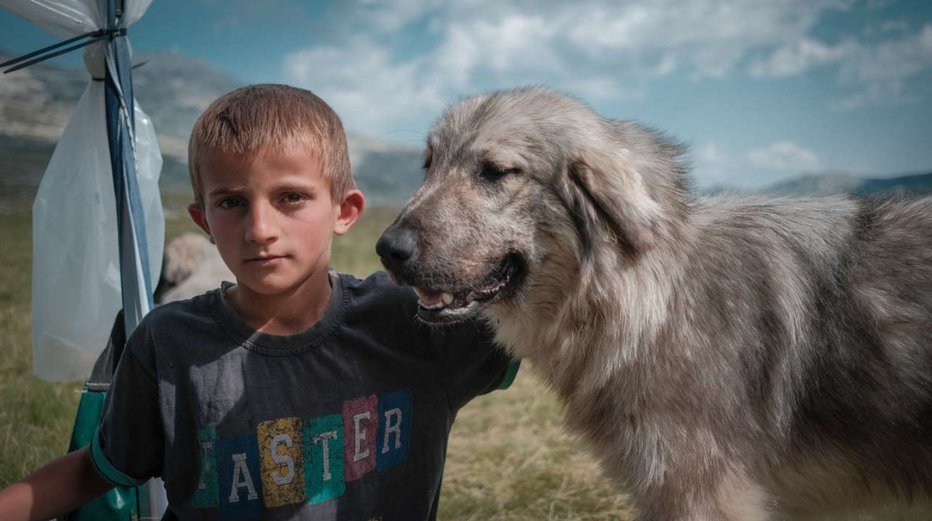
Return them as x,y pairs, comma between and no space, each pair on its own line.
253,118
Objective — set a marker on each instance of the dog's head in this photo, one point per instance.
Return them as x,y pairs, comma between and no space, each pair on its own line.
521,187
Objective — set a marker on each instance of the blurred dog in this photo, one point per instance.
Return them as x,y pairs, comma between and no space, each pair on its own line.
733,358
191,265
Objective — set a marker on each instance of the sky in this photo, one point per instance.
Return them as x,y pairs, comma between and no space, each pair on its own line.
760,90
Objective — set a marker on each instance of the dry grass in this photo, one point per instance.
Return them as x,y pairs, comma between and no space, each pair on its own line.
508,457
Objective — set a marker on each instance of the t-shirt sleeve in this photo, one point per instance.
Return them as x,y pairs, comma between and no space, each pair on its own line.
473,363
127,448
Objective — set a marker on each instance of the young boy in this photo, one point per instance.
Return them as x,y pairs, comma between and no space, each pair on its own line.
296,393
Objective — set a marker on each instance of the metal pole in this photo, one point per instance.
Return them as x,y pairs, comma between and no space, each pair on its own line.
131,225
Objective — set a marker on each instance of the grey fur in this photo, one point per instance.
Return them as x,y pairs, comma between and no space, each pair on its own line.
191,265
725,358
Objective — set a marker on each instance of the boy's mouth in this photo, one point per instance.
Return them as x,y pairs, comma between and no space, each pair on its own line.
265,259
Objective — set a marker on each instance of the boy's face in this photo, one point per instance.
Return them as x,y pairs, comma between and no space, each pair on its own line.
272,217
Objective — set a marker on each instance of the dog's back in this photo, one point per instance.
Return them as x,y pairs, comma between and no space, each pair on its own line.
825,305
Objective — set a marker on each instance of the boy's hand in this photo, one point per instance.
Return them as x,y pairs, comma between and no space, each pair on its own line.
55,489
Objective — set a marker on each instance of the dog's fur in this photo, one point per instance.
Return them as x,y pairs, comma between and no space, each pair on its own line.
730,357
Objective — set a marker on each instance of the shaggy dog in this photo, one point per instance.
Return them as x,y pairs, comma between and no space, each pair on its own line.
736,358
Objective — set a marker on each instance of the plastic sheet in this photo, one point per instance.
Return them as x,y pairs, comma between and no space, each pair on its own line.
67,18
76,289
76,269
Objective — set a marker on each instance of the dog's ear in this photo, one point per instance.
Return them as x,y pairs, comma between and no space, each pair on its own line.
611,196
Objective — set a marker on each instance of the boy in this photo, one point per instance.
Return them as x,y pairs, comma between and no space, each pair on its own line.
296,393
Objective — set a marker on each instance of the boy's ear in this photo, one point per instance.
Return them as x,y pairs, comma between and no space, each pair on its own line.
351,208
197,215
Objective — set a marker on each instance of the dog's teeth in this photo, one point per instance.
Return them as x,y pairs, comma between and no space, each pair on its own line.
430,299
447,298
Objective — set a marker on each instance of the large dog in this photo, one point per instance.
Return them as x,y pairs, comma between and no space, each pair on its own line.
726,358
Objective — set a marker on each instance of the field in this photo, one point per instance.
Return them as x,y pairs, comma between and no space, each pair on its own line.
508,457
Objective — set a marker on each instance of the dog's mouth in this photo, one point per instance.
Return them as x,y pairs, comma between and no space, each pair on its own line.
440,305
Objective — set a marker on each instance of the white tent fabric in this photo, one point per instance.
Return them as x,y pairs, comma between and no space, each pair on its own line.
76,283
67,18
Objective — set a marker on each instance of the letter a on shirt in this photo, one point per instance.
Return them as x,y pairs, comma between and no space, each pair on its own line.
240,485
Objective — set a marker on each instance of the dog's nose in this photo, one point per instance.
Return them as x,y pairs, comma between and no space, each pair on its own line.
396,246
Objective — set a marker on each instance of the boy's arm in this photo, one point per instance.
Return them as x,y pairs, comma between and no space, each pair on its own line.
55,489
473,364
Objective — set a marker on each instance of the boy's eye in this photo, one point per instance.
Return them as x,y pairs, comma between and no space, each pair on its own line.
293,198
230,202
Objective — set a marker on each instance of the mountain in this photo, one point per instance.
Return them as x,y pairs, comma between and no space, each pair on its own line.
919,184
36,103
830,183
387,174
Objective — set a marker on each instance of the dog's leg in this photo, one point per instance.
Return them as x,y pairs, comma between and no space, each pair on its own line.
739,497
731,497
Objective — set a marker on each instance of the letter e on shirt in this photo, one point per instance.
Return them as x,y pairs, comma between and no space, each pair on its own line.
360,424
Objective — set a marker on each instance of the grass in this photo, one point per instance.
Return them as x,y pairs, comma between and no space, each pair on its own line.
508,457
35,416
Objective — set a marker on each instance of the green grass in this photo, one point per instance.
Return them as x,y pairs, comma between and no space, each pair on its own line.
35,416
508,458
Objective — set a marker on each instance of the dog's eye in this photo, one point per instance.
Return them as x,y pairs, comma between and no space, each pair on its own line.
493,172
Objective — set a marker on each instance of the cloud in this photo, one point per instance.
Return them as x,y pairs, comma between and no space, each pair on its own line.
392,16
784,156
375,95
717,165
880,72
893,60
798,57
603,50
712,165
710,38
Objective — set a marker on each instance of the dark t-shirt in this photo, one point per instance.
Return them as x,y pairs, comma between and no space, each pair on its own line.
346,421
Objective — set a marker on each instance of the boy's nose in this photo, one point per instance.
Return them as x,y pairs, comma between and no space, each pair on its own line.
260,227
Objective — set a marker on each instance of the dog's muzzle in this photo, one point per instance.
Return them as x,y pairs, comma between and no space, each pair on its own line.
444,297
396,246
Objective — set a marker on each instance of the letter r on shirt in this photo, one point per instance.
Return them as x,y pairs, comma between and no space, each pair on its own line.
394,435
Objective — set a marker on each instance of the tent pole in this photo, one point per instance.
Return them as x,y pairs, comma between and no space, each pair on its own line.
131,227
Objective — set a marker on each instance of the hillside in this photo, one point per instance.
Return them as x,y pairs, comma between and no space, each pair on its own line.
36,102
830,183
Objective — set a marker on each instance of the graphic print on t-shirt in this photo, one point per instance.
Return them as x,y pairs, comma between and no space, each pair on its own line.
295,460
